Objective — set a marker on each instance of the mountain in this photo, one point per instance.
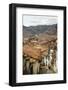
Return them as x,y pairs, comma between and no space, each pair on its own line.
40,30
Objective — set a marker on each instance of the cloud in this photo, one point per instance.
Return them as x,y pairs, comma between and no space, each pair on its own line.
33,20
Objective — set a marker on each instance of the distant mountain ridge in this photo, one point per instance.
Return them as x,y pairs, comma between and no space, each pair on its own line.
39,29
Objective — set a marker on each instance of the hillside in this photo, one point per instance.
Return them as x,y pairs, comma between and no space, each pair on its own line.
39,30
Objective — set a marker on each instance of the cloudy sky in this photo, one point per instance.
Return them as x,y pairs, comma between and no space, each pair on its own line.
33,20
